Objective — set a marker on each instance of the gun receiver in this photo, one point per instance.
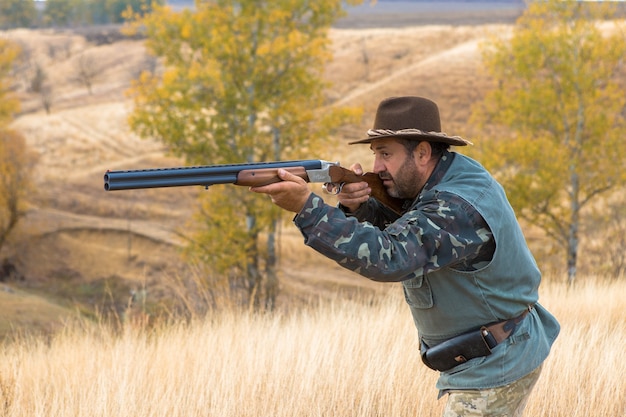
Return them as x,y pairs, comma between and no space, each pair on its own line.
331,174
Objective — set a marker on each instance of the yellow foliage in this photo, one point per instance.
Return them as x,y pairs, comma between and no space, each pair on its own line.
16,164
9,104
558,105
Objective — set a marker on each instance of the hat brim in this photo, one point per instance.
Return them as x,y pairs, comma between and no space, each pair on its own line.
430,137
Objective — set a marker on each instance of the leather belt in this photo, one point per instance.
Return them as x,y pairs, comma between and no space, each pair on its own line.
502,330
476,343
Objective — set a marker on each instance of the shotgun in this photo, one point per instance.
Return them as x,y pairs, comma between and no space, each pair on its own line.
331,174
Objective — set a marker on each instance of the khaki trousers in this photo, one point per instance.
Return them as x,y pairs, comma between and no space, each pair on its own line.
506,401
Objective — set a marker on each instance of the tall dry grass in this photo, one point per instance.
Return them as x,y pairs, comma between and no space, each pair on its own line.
340,358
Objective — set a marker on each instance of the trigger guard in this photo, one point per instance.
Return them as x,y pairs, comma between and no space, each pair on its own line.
332,188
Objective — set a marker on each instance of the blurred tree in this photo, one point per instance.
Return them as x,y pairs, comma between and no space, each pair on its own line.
607,245
39,84
9,105
117,9
15,159
85,12
242,82
17,14
16,164
62,13
87,70
557,90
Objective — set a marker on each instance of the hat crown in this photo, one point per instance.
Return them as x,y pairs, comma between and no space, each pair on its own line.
398,113
414,118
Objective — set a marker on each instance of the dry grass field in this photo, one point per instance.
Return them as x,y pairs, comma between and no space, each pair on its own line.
337,358
339,346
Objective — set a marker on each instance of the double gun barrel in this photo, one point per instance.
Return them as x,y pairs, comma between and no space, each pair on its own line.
198,175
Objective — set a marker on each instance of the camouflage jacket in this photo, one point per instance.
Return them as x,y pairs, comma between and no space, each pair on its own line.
441,230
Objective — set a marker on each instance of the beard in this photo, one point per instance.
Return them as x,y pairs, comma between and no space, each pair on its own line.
405,183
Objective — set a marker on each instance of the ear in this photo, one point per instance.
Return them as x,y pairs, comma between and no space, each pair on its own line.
423,152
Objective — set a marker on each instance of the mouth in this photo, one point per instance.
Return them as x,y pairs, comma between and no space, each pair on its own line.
389,185
386,179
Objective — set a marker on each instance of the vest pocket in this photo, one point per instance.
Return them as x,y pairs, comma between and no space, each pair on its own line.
417,292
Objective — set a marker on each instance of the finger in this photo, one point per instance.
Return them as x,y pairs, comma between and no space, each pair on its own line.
357,168
353,195
356,189
279,186
285,175
263,189
352,204
290,194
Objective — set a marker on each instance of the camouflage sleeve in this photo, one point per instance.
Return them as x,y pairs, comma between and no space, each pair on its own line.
374,212
440,232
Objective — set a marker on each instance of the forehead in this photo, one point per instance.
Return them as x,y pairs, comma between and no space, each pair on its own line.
385,144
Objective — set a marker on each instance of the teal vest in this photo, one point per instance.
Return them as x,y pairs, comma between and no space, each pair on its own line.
448,302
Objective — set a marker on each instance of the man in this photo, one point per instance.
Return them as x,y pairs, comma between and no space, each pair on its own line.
468,276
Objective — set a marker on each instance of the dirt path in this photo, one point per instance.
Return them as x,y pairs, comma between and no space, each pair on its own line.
43,221
465,48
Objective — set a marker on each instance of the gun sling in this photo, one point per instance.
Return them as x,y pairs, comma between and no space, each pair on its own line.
476,343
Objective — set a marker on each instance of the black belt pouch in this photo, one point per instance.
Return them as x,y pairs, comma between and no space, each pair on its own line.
455,351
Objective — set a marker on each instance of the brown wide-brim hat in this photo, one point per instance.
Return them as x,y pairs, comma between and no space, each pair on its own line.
409,118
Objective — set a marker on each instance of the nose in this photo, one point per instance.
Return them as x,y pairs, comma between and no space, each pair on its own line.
378,166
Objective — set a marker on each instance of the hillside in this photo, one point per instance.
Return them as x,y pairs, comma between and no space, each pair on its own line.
80,248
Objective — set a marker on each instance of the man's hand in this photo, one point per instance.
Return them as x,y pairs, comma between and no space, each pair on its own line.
354,194
290,194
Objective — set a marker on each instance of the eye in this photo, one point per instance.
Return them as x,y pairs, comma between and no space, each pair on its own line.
382,154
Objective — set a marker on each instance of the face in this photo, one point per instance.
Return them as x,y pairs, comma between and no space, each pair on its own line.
403,175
